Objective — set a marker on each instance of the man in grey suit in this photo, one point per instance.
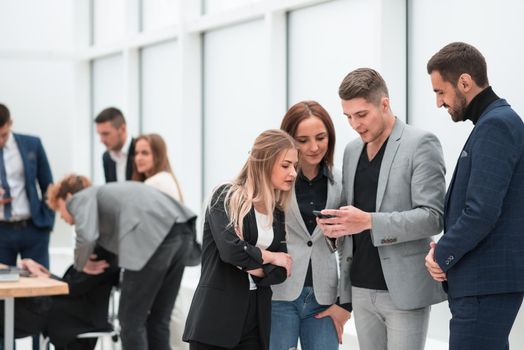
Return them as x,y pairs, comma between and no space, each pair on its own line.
148,230
394,189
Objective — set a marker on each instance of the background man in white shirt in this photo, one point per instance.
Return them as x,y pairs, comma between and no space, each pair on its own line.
118,159
25,174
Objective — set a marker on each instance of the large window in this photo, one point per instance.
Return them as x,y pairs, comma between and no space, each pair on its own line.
108,91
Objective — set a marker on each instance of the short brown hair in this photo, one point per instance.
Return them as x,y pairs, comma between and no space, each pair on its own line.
70,184
112,115
306,109
458,58
366,83
5,116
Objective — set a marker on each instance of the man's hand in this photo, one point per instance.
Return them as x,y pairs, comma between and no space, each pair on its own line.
95,267
348,220
339,316
434,270
34,268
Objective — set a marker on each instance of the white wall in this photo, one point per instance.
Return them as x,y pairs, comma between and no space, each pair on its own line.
321,55
38,80
495,28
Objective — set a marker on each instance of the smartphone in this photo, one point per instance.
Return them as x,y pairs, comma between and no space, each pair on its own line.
318,214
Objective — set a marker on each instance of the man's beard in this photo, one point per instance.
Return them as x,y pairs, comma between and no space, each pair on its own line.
461,104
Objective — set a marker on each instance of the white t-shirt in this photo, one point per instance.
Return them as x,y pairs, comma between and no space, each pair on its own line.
264,239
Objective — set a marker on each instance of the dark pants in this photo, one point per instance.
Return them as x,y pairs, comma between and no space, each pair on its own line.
250,339
25,239
148,296
483,322
79,344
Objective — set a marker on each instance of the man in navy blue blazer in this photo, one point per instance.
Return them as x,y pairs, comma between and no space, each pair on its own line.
480,257
25,219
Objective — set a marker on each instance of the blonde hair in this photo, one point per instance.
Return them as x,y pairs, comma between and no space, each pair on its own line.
160,160
70,184
253,183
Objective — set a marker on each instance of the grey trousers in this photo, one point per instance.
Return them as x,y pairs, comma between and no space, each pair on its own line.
382,326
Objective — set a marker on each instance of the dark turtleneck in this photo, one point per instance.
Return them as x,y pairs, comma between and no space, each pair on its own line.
479,104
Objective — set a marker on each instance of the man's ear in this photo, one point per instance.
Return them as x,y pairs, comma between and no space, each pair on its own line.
384,103
465,83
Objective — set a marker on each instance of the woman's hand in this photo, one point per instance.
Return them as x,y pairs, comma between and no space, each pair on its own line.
283,260
34,268
339,316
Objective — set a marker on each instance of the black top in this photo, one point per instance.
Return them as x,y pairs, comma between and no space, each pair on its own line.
479,103
366,271
311,195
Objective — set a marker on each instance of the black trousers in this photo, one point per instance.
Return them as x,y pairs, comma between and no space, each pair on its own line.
250,339
148,296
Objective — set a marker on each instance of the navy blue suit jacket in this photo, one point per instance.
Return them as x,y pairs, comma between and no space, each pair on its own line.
482,250
110,164
36,172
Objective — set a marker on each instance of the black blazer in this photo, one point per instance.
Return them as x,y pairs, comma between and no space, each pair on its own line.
220,303
110,164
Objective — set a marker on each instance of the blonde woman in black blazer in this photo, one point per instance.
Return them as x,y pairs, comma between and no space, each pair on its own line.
244,250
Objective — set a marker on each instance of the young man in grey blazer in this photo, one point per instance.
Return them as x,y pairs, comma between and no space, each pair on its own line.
394,189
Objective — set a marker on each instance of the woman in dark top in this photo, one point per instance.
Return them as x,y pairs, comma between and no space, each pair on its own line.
244,250
305,305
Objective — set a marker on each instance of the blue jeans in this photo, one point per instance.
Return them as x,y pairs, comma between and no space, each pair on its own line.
293,319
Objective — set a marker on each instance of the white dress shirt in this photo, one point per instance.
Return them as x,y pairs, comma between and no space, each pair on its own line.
14,168
120,158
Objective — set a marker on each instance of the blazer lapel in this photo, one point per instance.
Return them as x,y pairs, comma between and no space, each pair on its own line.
350,170
23,153
387,160
296,216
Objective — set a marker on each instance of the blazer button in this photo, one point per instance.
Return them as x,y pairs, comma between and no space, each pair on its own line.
309,243
348,259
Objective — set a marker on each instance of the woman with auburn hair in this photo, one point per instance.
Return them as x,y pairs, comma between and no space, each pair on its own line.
244,250
304,306
151,165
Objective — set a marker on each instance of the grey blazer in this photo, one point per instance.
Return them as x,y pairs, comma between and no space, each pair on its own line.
410,202
324,262
129,219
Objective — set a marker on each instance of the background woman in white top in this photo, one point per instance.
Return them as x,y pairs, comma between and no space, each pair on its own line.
152,167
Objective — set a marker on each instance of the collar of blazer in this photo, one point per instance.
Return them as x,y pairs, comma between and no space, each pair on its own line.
251,234
295,217
352,155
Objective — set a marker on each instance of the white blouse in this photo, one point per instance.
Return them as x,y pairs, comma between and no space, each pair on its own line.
264,239
164,182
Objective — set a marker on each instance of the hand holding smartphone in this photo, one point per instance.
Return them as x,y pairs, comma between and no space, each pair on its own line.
319,215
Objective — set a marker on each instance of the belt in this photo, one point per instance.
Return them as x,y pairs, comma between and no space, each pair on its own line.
17,224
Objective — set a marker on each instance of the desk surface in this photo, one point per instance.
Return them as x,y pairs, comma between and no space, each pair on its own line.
32,287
